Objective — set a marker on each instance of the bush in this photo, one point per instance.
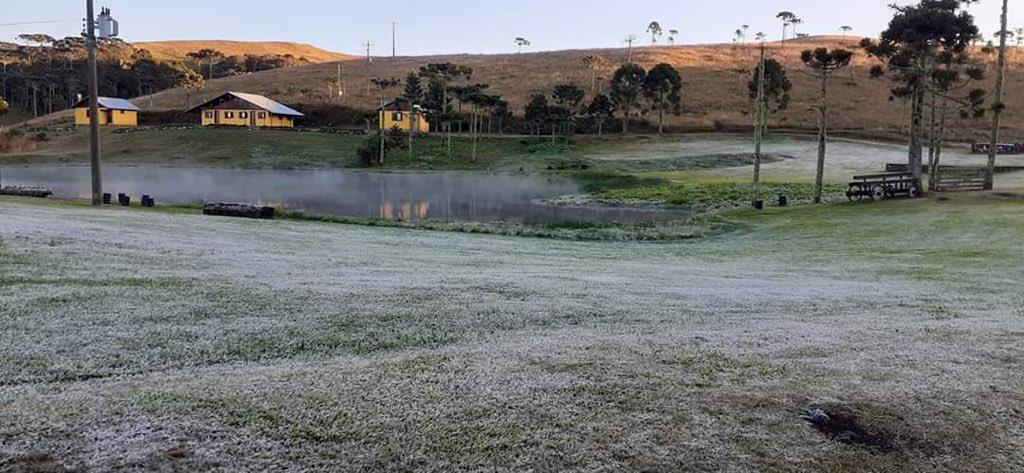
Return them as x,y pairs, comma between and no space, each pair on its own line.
369,152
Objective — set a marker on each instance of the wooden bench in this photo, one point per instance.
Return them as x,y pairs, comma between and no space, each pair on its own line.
1001,148
879,187
961,178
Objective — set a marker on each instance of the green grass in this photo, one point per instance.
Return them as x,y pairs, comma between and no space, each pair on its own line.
283,149
300,345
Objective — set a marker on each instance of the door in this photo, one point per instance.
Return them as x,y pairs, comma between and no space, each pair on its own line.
252,119
216,117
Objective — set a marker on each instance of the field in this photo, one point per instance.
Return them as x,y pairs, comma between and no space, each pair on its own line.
715,78
165,339
178,50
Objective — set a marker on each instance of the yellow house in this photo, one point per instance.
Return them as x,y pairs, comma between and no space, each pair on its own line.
113,112
395,115
249,110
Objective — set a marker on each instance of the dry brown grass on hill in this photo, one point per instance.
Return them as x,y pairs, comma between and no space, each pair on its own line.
714,76
179,49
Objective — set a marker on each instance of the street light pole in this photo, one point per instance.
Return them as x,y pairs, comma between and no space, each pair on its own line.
94,106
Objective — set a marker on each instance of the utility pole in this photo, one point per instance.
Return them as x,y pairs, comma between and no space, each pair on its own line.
394,49
94,108
368,45
629,40
998,107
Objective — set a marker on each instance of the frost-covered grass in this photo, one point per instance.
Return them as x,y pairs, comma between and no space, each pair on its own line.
167,340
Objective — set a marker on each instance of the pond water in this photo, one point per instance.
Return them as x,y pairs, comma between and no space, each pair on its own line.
408,196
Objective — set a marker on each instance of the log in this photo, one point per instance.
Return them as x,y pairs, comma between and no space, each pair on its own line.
238,210
26,191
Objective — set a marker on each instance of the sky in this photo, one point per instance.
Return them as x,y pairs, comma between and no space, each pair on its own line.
463,26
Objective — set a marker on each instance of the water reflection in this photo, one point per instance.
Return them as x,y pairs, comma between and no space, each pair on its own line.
407,196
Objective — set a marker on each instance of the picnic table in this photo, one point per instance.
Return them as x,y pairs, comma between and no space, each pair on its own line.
879,187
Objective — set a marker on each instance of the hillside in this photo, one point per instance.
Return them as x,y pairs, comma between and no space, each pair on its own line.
169,50
715,78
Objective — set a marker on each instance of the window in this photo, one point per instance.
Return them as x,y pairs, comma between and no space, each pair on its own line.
122,112
209,114
243,114
229,114
397,116
261,115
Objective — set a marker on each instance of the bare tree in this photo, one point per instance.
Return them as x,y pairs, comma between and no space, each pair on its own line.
998,106
594,63
824,63
383,84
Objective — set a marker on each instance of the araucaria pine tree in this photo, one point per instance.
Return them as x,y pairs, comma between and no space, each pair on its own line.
824,63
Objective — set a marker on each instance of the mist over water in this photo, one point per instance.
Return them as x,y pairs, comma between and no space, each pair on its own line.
408,196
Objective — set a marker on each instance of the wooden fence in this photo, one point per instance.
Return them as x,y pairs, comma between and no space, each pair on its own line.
960,178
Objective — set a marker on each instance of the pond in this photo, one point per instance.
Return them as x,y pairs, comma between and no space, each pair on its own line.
407,196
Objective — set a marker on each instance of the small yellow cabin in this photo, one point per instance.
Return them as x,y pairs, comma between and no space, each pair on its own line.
245,110
395,115
113,112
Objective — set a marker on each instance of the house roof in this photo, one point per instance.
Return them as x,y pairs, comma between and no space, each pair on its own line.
400,106
257,100
110,103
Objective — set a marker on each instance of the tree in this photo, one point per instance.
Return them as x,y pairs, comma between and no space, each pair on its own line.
786,17
521,42
824,63
910,47
568,99
745,28
383,84
38,39
998,106
655,30
846,30
413,95
797,22
663,87
537,112
208,55
626,86
191,81
769,89
444,74
600,110
594,63
672,35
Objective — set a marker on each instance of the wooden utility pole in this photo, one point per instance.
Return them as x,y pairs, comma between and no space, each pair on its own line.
629,40
394,42
759,116
368,45
94,108
998,107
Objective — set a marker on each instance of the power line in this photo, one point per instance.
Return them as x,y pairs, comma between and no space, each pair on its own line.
41,22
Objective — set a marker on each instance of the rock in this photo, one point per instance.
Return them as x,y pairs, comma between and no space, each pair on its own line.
238,210
26,191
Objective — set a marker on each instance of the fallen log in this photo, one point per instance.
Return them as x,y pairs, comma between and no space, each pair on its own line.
21,191
237,210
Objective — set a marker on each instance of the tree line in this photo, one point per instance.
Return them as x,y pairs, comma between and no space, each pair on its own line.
48,74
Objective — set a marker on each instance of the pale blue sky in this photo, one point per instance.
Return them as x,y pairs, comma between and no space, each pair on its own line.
457,26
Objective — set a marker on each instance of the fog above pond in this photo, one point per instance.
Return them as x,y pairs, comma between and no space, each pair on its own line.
408,196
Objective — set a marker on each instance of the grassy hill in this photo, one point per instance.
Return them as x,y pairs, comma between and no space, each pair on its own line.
170,50
714,76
